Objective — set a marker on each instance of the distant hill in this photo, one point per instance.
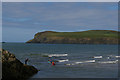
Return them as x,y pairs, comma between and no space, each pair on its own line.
84,37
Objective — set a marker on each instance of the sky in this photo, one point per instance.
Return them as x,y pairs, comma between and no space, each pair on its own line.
21,20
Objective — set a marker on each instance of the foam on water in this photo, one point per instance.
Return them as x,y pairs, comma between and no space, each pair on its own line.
57,55
89,61
93,61
98,57
117,56
80,62
109,62
63,60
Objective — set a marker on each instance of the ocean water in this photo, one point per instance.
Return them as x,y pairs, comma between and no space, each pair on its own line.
72,60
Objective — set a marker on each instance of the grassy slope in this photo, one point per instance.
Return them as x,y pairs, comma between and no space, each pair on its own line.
84,34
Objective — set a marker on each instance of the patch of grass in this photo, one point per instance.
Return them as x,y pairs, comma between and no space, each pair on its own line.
84,34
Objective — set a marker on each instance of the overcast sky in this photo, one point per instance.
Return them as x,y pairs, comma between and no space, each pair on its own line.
22,20
60,0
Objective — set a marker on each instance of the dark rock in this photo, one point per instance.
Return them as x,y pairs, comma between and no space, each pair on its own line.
12,68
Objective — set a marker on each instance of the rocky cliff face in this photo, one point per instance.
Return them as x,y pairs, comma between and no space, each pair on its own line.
12,68
86,37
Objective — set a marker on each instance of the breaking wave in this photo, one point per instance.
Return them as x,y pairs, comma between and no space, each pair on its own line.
57,55
63,60
109,62
97,57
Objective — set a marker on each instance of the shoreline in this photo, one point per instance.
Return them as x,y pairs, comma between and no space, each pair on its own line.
12,68
60,43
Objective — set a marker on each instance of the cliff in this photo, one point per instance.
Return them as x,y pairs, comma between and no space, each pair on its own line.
84,37
12,68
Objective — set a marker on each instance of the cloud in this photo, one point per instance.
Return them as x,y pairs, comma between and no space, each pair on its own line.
65,16
60,14
16,19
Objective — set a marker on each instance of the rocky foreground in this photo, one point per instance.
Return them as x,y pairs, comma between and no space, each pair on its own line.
12,68
84,37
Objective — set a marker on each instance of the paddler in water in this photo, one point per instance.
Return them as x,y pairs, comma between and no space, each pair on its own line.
53,63
49,61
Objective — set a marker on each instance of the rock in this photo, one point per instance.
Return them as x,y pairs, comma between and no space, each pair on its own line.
12,68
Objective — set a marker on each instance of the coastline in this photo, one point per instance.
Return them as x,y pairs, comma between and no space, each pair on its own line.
84,37
12,68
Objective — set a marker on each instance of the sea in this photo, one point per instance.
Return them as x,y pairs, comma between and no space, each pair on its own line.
71,60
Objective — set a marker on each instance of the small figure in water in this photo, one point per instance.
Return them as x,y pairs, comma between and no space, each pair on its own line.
53,63
49,61
26,61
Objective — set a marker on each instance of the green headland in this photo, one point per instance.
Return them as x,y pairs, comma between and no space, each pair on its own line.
84,37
